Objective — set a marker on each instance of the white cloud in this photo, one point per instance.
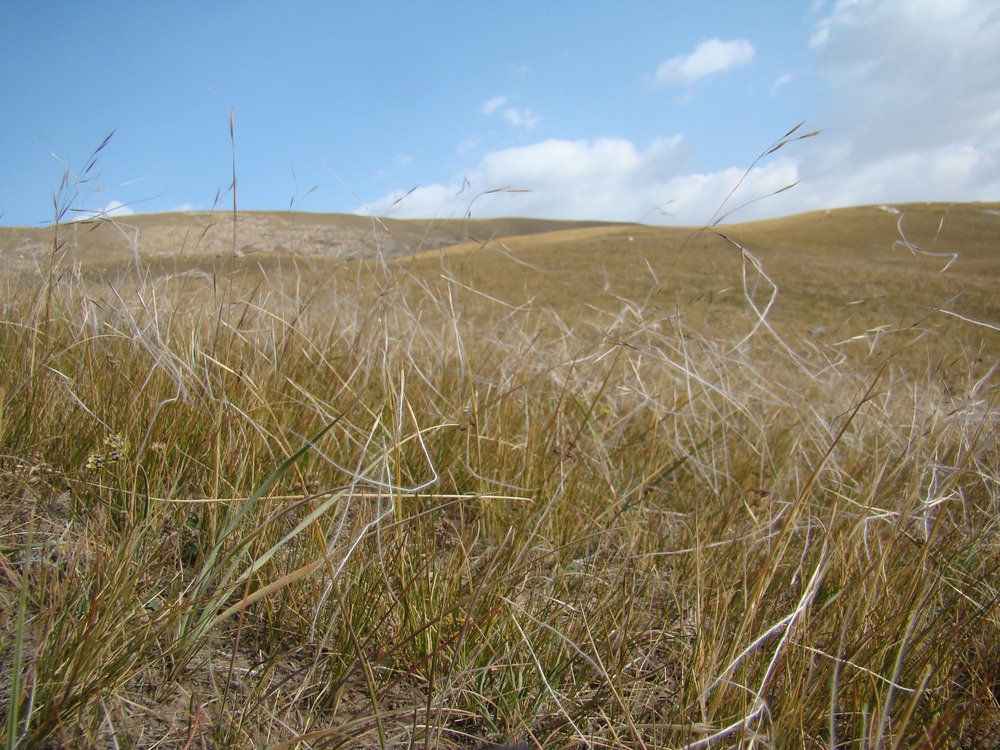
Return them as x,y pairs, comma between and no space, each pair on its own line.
606,178
710,56
493,104
948,172
914,109
782,80
527,118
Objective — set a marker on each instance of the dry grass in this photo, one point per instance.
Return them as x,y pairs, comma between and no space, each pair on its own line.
576,489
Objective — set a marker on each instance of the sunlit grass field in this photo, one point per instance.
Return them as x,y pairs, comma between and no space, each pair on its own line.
602,486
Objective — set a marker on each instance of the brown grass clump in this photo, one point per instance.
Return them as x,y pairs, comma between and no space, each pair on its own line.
577,490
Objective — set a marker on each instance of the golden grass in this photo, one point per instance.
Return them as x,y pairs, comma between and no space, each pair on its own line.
593,487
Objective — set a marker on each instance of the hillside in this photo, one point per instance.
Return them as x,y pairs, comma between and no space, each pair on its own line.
835,275
201,235
562,484
843,275
970,229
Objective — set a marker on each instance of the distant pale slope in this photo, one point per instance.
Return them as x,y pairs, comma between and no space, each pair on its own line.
843,275
204,234
839,274
825,240
972,229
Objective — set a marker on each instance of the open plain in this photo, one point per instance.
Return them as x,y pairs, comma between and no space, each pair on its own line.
294,480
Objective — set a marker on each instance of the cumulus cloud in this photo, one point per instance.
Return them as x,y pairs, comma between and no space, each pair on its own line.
914,110
605,178
710,56
493,104
917,72
782,80
526,118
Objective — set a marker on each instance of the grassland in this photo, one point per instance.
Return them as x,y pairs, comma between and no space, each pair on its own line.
449,485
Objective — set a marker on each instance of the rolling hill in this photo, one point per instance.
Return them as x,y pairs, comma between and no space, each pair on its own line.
344,483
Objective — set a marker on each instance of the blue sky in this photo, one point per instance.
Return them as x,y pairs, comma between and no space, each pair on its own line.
632,111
